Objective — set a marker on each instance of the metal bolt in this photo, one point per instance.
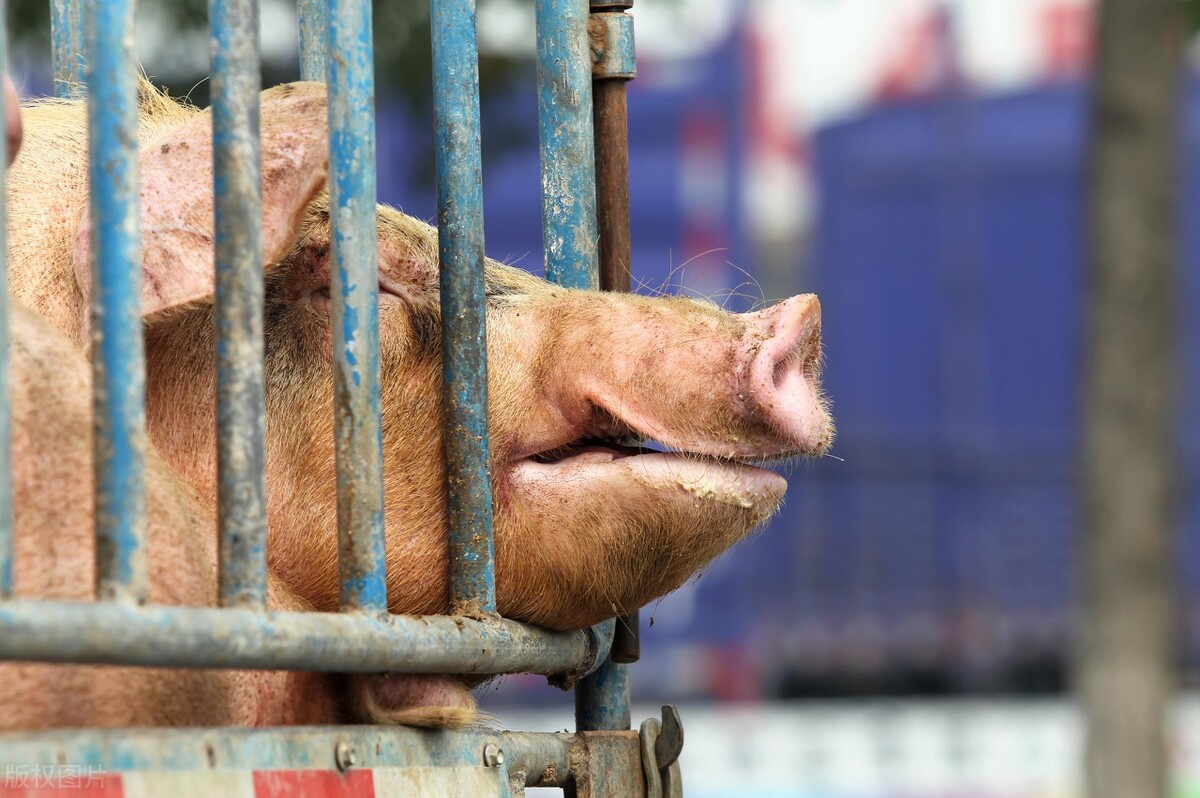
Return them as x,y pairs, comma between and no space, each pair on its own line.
492,755
344,755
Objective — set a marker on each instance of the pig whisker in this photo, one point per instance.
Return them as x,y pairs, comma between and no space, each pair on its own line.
752,280
677,269
188,97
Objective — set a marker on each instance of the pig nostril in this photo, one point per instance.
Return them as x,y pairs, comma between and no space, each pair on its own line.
782,369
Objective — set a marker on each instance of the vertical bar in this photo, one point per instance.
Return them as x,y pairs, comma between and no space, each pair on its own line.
66,34
118,369
464,335
570,235
241,484
355,291
6,516
611,37
312,14
568,158
602,699
612,183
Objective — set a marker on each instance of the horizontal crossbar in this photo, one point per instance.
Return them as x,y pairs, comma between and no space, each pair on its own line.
114,633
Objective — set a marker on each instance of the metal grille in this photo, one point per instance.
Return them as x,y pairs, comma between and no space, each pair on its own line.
92,46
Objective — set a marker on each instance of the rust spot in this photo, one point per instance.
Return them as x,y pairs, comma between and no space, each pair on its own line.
166,148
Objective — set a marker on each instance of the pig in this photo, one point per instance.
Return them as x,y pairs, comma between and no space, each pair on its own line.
587,525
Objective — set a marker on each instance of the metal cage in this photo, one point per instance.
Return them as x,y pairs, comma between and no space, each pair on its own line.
585,56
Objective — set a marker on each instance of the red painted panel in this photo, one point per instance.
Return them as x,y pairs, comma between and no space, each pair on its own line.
313,784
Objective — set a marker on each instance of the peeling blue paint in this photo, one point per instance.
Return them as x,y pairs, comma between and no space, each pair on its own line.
464,312
117,356
241,411
67,47
355,293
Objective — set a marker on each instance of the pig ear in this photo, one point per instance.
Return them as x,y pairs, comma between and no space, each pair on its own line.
176,173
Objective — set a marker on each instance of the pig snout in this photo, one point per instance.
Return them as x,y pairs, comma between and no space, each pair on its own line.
780,372
12,121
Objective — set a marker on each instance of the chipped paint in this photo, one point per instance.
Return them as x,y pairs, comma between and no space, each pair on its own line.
241,411
464,318
567,147
118,361
355,297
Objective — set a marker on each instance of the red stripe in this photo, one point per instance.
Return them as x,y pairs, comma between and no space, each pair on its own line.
19,784
313,784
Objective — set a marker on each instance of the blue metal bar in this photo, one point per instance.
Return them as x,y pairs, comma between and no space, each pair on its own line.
117,358
6,515
546,759
234,637
602,699
312,14
241,411
357,425
67,35
464,312
565,117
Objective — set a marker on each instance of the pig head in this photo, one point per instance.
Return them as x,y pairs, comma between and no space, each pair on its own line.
588,524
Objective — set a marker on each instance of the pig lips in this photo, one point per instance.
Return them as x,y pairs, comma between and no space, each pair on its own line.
598,462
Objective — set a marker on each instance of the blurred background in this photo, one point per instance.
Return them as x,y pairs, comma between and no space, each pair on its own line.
905,626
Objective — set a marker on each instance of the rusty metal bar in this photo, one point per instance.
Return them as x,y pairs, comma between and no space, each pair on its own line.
544,759
312,14
355,292
612,183
194,637
464,311
67,37
602,699
611,38
118,362
241,411
6,514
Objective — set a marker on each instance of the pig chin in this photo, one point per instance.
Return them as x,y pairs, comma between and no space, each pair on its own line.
646,522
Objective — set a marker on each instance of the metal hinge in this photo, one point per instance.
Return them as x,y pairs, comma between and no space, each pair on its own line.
662,742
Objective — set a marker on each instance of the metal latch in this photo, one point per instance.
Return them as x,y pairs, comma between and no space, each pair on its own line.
662,742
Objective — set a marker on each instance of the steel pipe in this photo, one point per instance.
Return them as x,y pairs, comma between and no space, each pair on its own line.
312,14
241,411
355,293
565,134
118,362
193,637
67,44
464,311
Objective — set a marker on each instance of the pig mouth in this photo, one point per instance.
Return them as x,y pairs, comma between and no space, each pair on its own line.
611,456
